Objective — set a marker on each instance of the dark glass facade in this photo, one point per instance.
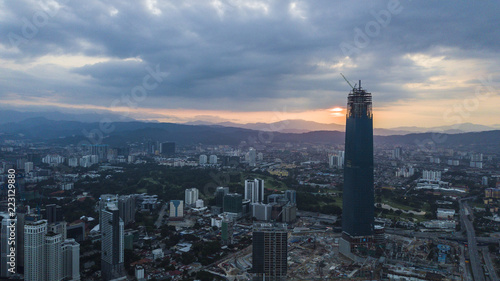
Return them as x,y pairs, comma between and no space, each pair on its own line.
167,148
358,195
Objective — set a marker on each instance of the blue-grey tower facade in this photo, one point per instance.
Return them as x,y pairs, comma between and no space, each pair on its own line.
358,195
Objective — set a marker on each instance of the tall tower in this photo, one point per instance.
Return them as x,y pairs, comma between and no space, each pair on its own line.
358,196
112,243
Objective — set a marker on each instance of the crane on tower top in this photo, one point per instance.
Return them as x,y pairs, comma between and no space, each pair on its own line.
353,87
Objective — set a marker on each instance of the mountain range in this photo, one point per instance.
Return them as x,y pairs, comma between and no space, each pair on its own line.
124,133
303,126
284,126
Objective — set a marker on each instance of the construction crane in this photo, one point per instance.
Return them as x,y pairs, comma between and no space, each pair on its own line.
353,87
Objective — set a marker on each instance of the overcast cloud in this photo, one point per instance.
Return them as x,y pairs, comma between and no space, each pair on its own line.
245,55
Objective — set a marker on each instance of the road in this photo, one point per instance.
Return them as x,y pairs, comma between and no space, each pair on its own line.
489,264
475,262
158,222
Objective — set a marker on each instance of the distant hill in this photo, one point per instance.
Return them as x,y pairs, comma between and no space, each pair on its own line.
122,133
13,116
302,126
285,126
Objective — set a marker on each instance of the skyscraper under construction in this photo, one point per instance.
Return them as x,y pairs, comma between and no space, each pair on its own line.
358,195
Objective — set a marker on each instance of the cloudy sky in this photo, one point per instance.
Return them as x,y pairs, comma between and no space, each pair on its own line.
427,63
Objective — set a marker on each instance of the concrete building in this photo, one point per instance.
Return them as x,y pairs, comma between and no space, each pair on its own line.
59,227
431,175
289,213
34,250
53,257
484,181
73,162
212,159
252,157
28,167
203,159
70,260
336,160
262,212
254,190
127,206
191,196
199,203
445,214
176,209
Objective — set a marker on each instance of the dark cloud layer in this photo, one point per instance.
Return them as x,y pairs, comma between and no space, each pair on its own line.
240,55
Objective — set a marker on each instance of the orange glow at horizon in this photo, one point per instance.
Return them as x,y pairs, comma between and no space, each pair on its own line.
415,113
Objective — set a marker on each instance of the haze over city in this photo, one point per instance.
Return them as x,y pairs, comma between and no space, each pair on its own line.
428,63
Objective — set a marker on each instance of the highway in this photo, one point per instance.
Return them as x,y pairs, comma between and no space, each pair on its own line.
475,262
487,261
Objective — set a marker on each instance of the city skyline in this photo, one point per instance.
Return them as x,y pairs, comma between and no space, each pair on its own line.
252,61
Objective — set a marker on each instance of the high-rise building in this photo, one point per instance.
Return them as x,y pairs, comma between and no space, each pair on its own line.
100,150
104,200
28,167
70,260
203,159
167,148
254,190
53,256
227,231
252,156
76,231
396,153
20,216
126,205
34,250
289,213
358,197
6,226
484,181
212,159
53,213
233,203
191,196
176,209
431,175
73,162
270,252
291,195
336,160
112,243
220,192
261,212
